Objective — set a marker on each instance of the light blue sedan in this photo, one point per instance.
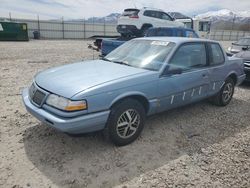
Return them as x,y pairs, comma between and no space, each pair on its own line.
142,77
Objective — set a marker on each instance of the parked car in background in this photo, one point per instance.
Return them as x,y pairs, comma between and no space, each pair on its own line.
245,55
135,22
237,46
140,78
171,32
109,45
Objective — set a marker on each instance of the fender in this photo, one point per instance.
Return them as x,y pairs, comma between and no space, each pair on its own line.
152,103
128,94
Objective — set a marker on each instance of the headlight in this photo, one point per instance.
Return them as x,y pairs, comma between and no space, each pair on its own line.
229,48
66,104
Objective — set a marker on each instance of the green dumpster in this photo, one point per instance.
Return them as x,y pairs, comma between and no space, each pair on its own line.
11,31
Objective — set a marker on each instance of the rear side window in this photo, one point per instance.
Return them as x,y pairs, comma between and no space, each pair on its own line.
216,54
165,16
153,14
130,12
190,56
244,41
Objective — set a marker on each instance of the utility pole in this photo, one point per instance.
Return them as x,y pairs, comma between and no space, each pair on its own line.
84,29
63,27
38,23
104,26
10,16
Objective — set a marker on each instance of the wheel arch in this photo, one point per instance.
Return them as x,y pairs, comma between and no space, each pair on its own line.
140,97
146,25
233,76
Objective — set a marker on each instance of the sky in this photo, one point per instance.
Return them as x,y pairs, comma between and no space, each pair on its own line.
79,9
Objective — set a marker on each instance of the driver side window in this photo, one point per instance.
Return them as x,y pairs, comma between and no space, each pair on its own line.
189,56
164,16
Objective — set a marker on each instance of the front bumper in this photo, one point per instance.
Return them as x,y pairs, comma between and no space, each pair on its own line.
247,72
77,125
240,79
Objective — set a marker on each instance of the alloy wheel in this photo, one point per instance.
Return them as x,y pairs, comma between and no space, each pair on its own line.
227,92
128,123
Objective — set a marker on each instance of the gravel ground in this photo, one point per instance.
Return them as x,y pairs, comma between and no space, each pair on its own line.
198,145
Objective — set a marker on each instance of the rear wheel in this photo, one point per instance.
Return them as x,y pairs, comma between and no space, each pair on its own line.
226,93
126,121
144,30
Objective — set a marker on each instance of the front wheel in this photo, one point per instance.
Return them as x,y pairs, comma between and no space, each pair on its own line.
126,121
226,93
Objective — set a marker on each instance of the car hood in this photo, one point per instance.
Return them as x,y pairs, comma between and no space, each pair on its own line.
244,55
236,48
71,79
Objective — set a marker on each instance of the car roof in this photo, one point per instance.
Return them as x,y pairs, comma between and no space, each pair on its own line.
155,9
177,40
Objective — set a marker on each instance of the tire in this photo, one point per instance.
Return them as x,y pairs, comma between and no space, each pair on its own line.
126,122
144,30
225,95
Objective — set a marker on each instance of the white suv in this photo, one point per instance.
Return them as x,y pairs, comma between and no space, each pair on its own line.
137,22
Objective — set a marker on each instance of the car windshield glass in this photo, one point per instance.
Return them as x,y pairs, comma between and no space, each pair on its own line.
244,41
146,54
130,12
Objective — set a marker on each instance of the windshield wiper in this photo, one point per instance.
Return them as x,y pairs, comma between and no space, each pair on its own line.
122,63
118,62
106,59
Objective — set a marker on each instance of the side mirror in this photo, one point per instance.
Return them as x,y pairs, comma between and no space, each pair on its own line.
175,71
245,48
172,71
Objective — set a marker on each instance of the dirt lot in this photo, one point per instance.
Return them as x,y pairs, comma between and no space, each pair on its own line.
198,145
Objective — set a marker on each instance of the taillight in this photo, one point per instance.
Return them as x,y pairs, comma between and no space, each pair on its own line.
134,16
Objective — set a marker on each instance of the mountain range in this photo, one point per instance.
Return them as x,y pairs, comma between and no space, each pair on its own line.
223,14
227,19
221,19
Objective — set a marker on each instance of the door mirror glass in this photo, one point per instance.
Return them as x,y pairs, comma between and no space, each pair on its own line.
172,70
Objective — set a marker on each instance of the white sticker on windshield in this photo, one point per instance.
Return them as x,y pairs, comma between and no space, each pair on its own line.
160,43
1,28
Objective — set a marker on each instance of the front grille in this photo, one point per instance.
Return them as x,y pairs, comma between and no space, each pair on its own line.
36,95
247,64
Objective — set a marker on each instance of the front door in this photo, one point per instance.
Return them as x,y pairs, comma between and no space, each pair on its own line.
189,86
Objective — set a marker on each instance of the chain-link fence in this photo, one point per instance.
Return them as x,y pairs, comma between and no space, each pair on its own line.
227,35
60,29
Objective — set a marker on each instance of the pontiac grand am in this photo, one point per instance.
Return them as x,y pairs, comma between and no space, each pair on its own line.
142,77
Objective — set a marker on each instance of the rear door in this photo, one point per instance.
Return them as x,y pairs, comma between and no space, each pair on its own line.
189,86
152,17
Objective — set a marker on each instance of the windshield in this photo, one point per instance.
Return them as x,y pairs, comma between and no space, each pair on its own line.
244,41
130,12
146,54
